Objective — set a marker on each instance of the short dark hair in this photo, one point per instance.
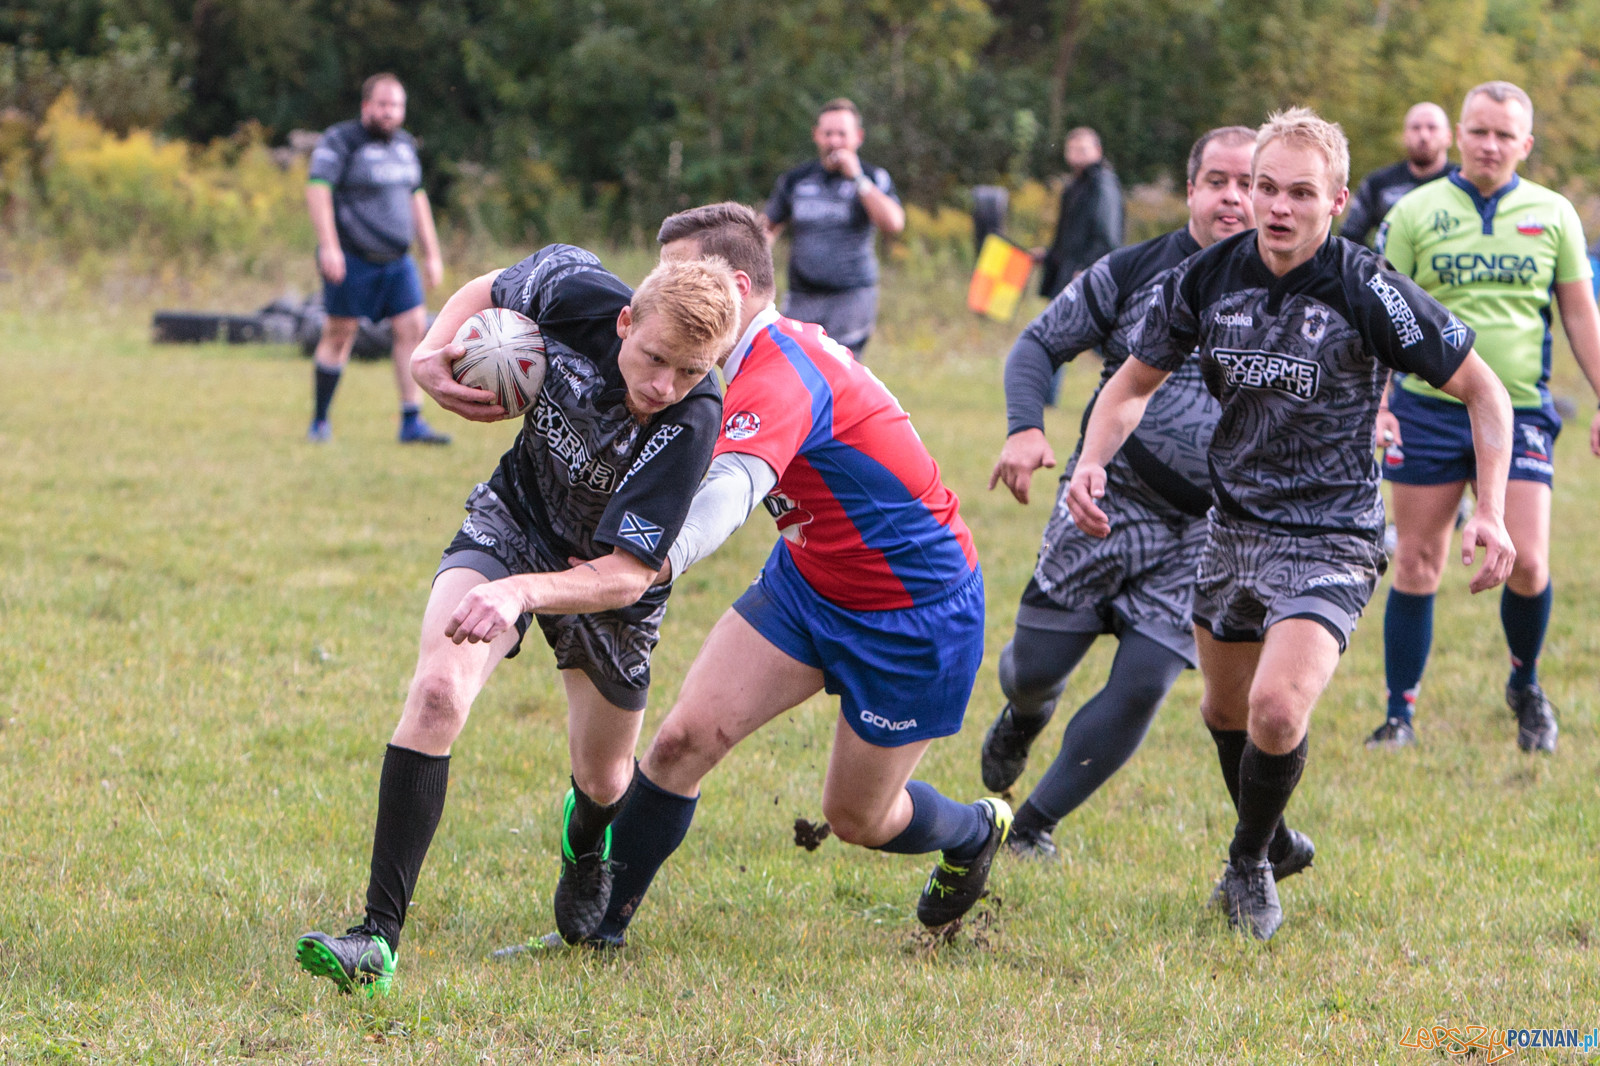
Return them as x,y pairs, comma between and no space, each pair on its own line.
1226,134
1500,92
731,231
840,103
370,86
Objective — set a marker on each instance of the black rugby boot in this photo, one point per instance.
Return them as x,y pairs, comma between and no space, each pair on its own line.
1536,719
1005,749
1290,852
953,887
1249,895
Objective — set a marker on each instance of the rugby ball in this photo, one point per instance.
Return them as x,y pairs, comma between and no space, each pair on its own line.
504,355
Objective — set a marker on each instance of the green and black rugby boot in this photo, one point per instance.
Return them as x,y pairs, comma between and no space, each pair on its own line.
1005,748
584,890
361,960
953,888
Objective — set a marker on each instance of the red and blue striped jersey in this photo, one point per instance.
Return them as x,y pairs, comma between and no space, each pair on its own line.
859,502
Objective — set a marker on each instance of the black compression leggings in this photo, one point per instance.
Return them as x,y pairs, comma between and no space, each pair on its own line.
1105,732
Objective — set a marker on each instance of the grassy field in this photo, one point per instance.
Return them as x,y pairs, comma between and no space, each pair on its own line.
206,629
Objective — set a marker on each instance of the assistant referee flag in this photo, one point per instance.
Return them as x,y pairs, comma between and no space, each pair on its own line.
1000,278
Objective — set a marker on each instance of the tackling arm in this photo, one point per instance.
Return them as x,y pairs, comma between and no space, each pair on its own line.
1581,321
603,584
1489,407
1116,415
732,488
431,362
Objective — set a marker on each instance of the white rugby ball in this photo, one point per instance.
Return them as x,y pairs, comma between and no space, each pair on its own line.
505,356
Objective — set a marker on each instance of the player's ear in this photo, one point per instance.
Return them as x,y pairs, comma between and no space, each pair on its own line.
624,321
741,280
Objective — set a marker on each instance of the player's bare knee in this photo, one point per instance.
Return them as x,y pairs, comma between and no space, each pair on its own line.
1221,715
677,747
1419,565
437,705
1529,574
1277,719
603,784
851,825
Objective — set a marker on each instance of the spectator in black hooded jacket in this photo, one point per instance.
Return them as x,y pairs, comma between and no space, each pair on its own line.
1090,223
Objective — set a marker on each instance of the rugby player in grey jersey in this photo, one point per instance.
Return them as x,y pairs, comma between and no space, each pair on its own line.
569,531
1138,582
1297,332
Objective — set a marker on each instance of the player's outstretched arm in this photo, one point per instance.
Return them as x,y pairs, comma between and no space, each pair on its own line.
603,584
1116,415
431,362
1489,407
732,488
1580,319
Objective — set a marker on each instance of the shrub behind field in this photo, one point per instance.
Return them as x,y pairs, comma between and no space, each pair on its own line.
91,190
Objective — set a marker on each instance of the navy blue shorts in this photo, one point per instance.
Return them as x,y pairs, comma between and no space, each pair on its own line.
900,675
1436,442
373,290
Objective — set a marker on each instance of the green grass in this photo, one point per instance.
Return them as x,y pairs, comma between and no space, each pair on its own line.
207,626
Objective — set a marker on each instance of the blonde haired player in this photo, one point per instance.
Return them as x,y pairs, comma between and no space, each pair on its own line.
570,530
1297,332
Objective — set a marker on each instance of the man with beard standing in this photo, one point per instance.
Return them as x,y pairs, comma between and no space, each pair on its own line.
367,205
1427,143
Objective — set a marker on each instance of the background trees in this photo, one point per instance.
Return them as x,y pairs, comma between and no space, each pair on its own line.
530,110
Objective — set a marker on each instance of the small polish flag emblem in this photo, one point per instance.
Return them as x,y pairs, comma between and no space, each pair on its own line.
1530,227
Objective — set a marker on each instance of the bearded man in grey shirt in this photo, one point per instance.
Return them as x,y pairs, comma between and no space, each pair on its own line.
367,205
835,203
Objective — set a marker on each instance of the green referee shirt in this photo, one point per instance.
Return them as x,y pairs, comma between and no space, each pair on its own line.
1494,262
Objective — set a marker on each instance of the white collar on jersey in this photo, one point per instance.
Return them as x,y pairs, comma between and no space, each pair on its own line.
767,317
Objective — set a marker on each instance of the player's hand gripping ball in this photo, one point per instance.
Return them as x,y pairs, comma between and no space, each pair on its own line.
505,356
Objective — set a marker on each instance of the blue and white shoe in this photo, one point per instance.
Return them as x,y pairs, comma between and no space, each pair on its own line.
320,432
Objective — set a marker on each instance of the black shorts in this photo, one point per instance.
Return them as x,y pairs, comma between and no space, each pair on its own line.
1251,577
611,647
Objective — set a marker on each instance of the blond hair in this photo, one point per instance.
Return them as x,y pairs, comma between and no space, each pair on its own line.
699,299
1304,128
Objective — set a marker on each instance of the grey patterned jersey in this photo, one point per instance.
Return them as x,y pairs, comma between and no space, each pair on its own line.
1103,308
583,472
1299,364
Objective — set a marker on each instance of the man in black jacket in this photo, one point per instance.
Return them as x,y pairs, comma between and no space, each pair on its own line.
1090,223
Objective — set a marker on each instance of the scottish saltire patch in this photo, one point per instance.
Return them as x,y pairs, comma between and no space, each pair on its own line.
636,530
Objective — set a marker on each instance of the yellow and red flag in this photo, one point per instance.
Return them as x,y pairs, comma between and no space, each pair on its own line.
997,283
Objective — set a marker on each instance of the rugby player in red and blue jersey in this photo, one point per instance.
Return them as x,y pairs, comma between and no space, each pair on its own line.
872,592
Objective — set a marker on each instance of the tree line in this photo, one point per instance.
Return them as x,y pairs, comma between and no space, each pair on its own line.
631,108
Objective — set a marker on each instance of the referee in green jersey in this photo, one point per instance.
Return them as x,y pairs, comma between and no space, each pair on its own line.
1495,249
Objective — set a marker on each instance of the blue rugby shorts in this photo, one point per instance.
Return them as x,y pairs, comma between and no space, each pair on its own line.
901,675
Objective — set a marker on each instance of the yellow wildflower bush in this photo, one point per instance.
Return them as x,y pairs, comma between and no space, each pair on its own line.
104,192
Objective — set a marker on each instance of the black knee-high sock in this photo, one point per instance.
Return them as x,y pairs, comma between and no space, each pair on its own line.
327,380
1230,749
652,824
1105,732
1265,784
410,802
587,825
